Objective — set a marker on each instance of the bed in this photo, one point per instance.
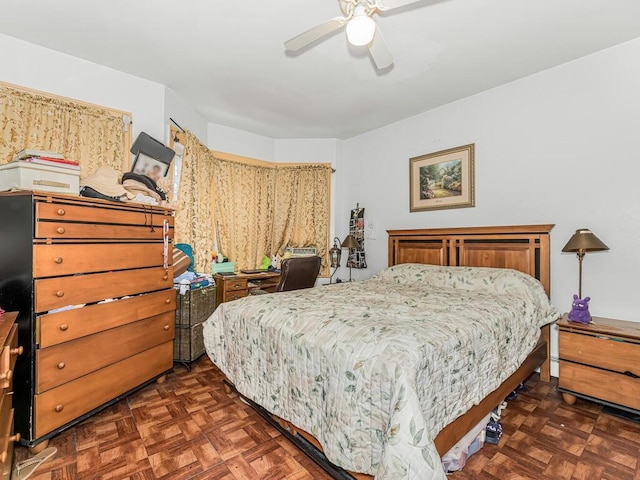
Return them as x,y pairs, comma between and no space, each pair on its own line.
385,375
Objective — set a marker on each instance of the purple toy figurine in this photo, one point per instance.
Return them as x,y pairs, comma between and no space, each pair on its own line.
580,310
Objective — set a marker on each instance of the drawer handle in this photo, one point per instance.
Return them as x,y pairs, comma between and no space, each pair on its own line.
60,230
61,212
166,327
631,374
64,327
59,408
165,277
59,294
167,301
237,285
58,260
6,375
15,438
17,351
61,365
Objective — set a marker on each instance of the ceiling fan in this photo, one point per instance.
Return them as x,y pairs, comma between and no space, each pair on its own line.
361,28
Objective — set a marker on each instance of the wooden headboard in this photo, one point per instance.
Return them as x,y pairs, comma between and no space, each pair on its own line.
521,247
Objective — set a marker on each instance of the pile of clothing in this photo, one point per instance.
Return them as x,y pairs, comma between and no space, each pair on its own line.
184,277
105,184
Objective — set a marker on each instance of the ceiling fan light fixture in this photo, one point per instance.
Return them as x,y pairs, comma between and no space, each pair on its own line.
361,28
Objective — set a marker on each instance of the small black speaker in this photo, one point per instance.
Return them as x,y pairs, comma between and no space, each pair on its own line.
151,147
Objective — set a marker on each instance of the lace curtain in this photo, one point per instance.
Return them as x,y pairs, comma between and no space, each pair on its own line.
92,135
254,208
244,202
302,208
194,212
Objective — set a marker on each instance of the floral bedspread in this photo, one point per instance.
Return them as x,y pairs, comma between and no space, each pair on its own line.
375,369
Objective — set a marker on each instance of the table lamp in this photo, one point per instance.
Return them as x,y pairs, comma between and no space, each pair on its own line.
350,242
581,242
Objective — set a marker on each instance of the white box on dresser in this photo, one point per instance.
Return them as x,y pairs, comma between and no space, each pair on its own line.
34,176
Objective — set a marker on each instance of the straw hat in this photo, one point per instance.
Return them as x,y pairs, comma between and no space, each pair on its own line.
105,181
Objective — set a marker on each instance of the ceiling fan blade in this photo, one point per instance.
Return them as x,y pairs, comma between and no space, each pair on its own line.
315,33
384,5
379,51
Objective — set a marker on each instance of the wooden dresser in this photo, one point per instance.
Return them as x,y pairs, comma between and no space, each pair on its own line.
233,287
600,362
9,351
93,283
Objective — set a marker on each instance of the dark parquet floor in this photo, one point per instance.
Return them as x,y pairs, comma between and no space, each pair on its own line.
188,428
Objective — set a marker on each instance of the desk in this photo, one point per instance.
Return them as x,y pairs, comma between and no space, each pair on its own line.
232,287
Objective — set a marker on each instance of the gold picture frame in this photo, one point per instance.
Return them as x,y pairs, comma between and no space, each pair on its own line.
443,179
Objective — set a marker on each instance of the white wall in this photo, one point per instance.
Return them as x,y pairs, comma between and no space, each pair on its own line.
184,115
238,142
306,150
556,147
40,68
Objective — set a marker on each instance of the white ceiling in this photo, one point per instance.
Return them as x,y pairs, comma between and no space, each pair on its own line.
227,59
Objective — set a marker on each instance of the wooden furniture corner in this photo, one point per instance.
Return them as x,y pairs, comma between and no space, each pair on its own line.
9,351
600,362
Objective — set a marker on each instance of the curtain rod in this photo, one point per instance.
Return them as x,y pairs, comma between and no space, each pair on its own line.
176,124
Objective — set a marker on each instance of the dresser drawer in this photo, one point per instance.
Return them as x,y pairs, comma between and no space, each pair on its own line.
115,215
67,361
61,231
6,438
234,295
53,293
600,384
235,285
67,402
68,325
8,354
600,351
66,259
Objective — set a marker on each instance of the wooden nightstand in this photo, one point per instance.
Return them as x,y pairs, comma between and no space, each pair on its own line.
600,362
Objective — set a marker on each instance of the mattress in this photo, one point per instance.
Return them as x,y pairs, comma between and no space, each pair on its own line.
375,369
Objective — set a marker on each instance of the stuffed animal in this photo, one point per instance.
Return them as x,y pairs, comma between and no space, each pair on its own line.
580,310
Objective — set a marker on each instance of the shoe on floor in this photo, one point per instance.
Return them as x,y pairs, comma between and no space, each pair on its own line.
23,470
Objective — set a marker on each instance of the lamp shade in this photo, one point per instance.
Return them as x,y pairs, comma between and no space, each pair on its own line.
350,242
361,28
584,241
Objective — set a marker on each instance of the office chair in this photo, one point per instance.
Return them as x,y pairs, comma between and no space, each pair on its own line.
298,272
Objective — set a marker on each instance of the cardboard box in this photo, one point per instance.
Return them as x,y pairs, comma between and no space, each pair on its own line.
33,176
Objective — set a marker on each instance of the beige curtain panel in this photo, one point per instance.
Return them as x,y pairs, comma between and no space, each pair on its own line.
302,209
89,134
194,212
244,208
253,208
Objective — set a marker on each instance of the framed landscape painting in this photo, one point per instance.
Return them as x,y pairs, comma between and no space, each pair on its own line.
442,179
